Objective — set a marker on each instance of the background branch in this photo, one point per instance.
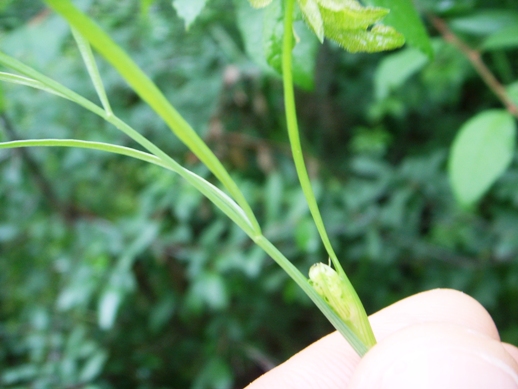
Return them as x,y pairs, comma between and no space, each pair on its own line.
474,57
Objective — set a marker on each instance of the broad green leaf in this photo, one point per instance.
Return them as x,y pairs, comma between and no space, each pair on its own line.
273,32
481,152
189,10
250,24
405,19
260,3
506,38
352,5
305,57
395,69
262,32
379,38
485,22
347,22
313,17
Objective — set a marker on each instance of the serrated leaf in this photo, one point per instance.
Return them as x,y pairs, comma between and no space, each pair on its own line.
379,38
405,19
352,18
481,152
337,5
313,17
189,10
259,3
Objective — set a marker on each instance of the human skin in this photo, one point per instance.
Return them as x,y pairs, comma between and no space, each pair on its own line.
436,339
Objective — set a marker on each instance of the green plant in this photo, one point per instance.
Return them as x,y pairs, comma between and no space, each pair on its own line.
374,233
348,24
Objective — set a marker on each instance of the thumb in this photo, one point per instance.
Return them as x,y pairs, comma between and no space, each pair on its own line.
436,355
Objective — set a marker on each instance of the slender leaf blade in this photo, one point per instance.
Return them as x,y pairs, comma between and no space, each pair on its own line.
214,194
93,71
150,93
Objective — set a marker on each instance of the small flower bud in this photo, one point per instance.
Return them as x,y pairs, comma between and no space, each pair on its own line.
330,286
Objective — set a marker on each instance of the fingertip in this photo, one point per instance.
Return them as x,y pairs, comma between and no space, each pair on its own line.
434,355
325,364
511,350
437,305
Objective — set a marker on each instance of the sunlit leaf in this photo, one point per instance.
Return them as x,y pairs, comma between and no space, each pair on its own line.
481,152
313,17
351,18
405,19
259,3
379,38
349,23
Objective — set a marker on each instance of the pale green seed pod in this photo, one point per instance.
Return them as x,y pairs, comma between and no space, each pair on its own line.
329,285
338,292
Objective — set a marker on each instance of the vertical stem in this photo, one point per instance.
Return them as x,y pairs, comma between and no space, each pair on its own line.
362,325
293,129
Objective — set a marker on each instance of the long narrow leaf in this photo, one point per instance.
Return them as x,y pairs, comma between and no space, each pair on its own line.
301,281
222,201
293,133
26,81
219,198
93,71
150,93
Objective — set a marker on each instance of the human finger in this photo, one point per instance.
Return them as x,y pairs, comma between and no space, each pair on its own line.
436,355
330,362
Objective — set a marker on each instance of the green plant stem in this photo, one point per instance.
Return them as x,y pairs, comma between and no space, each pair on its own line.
218,197
363,324
293,130
235,211
226,205
357,344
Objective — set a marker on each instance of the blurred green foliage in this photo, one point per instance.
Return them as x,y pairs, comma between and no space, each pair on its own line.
116,274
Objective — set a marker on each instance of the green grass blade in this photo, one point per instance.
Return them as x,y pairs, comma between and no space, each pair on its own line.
150,93
223,202
305,183
93,71
26,81
293,132
219,198
303,283
37,80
